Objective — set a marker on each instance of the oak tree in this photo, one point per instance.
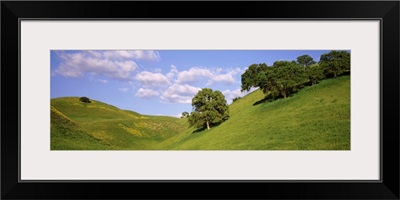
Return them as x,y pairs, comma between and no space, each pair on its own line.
209,107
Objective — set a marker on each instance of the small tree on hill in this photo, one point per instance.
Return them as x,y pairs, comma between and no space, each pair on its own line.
209,107
84,100
236,98
185,114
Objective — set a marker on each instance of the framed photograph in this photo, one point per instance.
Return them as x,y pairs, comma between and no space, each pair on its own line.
301,98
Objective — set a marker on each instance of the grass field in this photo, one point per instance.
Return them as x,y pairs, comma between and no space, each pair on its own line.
96,125
315,118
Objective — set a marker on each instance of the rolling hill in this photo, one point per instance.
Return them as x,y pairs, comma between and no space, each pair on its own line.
315,118
96,125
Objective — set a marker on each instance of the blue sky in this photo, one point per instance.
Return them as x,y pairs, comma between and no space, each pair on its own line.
156,82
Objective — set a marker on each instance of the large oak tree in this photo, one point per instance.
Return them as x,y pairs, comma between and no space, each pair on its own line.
209,107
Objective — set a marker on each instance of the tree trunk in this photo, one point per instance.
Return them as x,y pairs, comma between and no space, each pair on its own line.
208,125
284,92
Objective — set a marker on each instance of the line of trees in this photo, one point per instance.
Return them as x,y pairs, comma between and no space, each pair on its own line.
286,77
279,80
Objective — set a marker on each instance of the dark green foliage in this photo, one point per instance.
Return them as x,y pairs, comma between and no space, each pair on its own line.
84,100
249,79
282,63
335,63
305,60
286,77
236,98
283,78
185,114
315,74
209,107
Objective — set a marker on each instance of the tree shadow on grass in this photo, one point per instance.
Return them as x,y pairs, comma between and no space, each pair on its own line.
199,130
205,128
267,98
270,97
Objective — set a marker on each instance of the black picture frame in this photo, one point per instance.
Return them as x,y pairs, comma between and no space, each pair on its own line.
386,11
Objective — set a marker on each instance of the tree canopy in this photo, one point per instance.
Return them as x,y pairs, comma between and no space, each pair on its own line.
249,76
285,78
315,73
335,63
282,78
305,60
209,107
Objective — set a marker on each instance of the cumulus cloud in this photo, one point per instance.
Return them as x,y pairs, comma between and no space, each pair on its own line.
146,93
226,78
127,54
193,75
78,63
152,80
231,94
173,72
114,64
179,86
196,74
179,94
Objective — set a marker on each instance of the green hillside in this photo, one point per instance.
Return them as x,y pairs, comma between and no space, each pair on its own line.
315,118
96,125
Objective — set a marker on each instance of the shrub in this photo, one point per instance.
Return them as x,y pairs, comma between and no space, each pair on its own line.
235,99
84,100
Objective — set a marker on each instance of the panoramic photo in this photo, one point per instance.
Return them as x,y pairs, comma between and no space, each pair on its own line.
200,99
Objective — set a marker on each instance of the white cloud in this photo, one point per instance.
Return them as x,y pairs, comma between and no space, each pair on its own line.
193,75
146,93
174,86
123,89
171,74
224,78
133,55
196,74
77,64
152,80
179,94
230,95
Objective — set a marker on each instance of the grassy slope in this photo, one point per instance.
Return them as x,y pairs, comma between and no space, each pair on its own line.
98,125
66,134
318,117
